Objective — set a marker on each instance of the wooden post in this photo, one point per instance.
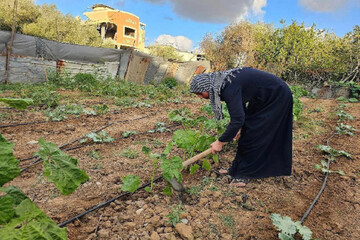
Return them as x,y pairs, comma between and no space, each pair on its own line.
8,49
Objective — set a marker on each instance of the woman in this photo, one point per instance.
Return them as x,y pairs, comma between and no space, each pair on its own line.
260,105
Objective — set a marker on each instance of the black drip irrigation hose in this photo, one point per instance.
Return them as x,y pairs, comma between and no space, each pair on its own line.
96,131
22,124
82,146
38,122
322,187
105,203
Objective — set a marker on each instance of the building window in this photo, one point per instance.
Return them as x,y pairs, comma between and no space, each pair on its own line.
129,32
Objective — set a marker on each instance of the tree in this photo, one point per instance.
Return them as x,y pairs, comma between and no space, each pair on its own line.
167,52
48,22
27,11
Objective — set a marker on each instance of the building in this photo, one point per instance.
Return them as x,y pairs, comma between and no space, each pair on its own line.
122,28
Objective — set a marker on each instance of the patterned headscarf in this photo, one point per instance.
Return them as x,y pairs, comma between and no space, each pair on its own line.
212,83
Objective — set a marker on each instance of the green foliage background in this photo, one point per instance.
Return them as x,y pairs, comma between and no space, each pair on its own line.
297,53
48,22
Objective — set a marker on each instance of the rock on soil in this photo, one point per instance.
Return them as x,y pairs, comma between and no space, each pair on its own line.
185,231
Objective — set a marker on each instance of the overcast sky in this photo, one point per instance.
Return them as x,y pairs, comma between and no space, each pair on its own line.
183,23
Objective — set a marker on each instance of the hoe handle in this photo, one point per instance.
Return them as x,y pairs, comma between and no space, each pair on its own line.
197,157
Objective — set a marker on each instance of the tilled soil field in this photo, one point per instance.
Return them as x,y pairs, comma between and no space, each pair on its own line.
211,209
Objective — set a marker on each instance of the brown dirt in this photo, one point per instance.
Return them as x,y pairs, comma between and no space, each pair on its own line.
217,211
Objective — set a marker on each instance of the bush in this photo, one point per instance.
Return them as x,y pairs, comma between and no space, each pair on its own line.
86,82
169,82
44,95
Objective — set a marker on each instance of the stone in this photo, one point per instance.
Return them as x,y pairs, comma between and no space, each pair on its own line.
139,211
203,201
108,224
184,231
184,220
104,233
154,236
226,236
130,225
160,230
155,220
32,142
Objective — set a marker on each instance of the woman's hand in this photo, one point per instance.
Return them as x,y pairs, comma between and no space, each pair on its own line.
216,146
237,135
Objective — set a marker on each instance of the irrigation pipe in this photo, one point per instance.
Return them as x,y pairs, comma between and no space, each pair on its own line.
38,159
322,187
105,203
40,122
96,131
22,124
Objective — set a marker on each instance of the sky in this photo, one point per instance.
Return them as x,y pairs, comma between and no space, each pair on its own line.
184,23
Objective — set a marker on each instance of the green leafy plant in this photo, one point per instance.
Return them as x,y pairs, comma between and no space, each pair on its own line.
171,168
342,115
169,82
94,154
345,129
129,153
142,104
160,127
9,165
324,167
333,152
101,108
192,141
99,137
181,115
22,219
298,106
61,112
130,183
17,102
173,216
86,82
127,134
43,96
194,168
288,228
60,168
206,165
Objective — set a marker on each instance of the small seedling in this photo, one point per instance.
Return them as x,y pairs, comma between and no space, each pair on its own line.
99,137
127,134
129,153
173,216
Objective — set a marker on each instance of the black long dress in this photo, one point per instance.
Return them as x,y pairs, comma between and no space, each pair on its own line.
265,146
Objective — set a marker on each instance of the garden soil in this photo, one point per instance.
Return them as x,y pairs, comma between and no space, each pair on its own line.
212,209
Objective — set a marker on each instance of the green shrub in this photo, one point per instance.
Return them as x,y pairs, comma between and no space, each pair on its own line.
86,82
298,106
169,82
43,95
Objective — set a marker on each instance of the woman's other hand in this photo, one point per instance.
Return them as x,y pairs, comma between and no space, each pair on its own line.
216,146
237,135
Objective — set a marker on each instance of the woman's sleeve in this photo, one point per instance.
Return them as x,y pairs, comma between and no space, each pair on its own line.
237,117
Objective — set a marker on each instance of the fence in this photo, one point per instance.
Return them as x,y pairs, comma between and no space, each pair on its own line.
32,58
